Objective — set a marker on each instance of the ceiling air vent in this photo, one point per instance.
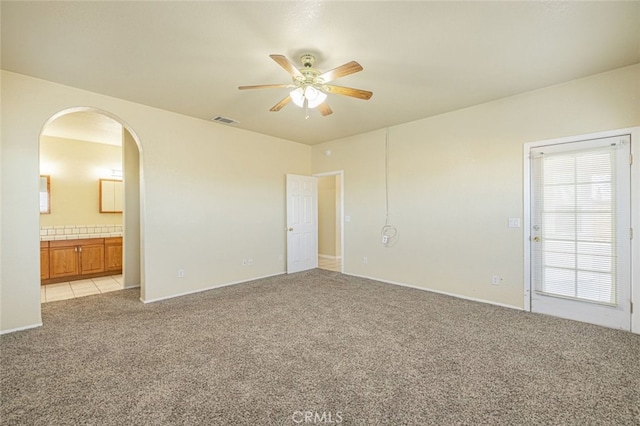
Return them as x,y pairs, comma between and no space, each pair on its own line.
225,120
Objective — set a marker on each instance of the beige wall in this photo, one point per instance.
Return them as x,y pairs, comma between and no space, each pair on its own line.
327,216
212,195
75,167
455,179
132,213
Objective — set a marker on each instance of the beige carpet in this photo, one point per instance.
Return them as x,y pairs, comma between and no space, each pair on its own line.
314,348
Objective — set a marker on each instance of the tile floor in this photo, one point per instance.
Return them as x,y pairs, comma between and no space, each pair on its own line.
330,264
80,288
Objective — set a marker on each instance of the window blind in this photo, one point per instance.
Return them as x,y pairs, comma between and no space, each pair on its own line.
574,224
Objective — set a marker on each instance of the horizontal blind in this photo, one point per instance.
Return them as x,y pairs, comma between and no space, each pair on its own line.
574,224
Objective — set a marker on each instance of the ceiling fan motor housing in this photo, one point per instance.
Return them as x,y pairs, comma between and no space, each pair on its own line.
307,60
309,74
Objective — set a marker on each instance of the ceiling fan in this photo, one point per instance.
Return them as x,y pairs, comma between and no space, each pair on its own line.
310,86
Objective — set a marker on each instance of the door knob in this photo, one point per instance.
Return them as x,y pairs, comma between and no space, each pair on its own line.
536,239
290,229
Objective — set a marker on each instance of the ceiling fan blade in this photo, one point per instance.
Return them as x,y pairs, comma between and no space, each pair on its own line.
324,109
264,86
341,71
277,107
287,65
348,91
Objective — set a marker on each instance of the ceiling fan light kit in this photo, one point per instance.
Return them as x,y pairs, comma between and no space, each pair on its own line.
309,85
313,96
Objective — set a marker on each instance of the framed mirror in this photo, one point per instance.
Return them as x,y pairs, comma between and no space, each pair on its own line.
45,194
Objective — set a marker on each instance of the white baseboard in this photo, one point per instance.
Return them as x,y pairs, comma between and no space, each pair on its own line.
208,288
459,296
26,327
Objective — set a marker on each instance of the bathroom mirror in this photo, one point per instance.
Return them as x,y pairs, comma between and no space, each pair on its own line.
45,194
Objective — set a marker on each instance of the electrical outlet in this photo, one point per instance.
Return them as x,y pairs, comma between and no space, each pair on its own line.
365,260
495,280
514,222
385,239
250,262
180,273
244,262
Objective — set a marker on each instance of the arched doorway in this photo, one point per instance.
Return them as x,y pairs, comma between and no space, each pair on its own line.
108,157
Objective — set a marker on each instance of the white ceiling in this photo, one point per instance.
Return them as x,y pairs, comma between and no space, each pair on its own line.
420,58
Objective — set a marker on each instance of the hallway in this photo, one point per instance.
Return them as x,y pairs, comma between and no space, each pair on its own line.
330,264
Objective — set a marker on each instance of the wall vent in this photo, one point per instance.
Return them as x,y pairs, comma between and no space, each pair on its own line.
224,120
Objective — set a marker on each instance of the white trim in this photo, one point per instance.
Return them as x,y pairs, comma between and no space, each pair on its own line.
26,327
526,225
209,288
458,296
635,212
635,225
342,220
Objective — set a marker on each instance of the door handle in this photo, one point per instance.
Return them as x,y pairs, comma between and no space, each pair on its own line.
290,229
536,239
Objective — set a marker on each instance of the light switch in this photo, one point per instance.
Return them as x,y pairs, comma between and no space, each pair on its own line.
514,222
347,218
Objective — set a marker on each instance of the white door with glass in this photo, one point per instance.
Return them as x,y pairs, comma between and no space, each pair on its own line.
580,243
302,223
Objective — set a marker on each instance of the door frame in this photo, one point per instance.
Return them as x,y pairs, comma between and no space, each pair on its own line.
339,173
635,213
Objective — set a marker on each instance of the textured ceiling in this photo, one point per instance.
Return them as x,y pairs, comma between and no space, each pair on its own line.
420,58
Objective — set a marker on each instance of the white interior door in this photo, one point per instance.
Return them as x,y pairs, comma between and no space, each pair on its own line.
580,246
302,223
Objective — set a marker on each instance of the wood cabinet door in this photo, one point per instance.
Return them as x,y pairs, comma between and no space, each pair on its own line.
113,257
91,258
63,262
44,263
